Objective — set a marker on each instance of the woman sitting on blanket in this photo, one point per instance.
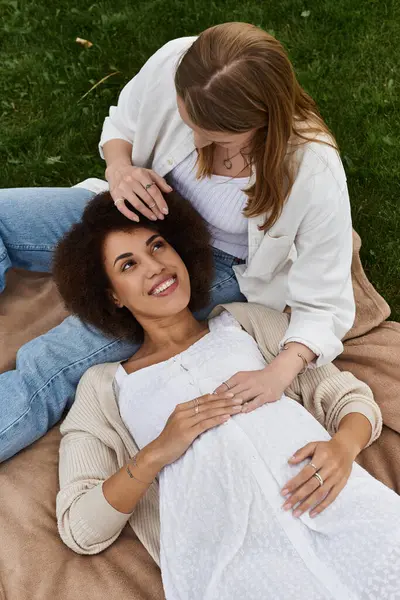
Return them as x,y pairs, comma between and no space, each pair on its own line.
143,443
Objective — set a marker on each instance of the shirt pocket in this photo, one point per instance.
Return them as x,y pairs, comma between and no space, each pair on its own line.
270,257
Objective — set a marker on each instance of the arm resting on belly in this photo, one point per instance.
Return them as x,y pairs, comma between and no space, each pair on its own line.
326,392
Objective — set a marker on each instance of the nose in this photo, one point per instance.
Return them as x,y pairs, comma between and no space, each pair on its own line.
152,266
201,141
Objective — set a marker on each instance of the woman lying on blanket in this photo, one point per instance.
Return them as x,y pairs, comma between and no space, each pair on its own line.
143,442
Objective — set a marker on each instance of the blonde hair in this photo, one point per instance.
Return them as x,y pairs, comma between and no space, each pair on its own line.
237,77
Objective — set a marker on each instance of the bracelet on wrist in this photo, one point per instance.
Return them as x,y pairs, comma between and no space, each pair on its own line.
133,460
305,361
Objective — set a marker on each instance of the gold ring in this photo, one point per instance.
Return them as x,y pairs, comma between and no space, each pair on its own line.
118,200
224,382
152,205
148,185
320,480
196,406
313,466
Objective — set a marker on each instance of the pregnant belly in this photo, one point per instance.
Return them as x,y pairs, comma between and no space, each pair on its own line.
221,505
271,433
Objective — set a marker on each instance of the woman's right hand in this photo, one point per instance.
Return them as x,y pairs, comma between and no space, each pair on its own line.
129,183
185,425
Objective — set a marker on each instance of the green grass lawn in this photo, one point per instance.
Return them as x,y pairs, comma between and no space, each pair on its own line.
346,54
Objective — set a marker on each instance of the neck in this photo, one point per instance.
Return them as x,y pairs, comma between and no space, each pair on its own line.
170,332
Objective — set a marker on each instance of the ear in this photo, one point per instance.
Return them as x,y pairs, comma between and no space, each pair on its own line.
114,298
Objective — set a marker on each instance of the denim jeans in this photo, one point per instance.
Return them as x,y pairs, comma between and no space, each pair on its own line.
48,368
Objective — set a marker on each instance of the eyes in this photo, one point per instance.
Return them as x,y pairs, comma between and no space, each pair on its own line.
130,262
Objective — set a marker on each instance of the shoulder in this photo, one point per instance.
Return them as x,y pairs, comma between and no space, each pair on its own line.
169,54
223,319
256,319
94,391
98,374
319,190
317,160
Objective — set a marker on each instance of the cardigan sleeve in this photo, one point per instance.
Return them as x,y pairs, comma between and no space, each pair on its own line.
330,394
87,523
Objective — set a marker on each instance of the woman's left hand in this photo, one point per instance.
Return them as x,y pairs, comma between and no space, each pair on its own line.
332,461
255,387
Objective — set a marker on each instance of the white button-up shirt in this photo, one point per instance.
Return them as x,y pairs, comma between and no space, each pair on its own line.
304,260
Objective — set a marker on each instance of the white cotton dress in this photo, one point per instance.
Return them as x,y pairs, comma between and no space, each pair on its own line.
224,535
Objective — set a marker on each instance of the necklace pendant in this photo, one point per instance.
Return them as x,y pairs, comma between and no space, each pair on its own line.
228,163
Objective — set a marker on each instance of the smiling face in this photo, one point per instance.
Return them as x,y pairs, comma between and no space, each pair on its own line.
203,138
147,275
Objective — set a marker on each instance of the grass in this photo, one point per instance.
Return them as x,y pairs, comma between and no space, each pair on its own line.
346,55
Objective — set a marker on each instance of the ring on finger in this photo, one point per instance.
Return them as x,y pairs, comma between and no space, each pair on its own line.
148,185
118,200
319,478
224,383
152,205
196,406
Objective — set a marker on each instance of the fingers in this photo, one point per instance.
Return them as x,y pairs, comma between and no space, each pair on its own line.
303,453
152,195
142,200
239,389
332,495
253,404
208,398
122,207
161,183
313,499
305,474
207,424
309,494
141,188
211,413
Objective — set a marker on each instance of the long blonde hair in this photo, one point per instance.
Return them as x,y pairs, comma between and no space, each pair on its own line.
237,77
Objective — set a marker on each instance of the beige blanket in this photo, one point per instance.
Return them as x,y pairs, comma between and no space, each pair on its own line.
372,353
34,564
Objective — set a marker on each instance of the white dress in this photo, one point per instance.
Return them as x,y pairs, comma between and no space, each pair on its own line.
224,535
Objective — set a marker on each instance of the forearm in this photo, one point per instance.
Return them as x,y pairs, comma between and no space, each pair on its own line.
355,431
117,153
123,491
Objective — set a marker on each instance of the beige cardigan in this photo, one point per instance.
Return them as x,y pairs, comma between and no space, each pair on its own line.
96,443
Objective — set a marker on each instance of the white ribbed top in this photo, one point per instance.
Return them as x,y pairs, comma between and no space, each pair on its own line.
220,200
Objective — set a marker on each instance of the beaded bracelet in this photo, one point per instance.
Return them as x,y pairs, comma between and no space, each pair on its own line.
134,464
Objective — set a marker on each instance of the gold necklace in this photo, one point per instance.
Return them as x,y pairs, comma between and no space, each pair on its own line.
228,159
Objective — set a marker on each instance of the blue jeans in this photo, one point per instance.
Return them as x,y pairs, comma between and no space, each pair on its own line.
34,395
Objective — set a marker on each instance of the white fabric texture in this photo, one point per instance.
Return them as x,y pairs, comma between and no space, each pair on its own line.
220,200
96,443
224,534
304,260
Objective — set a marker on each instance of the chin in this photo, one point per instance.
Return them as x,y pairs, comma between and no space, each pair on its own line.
173,306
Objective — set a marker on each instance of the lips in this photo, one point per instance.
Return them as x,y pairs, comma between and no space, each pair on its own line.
164,287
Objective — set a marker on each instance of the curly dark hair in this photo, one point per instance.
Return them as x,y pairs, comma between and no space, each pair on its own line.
79,271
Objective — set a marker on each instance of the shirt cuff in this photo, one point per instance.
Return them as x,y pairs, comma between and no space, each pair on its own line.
110,132
319,338
98,515
358,406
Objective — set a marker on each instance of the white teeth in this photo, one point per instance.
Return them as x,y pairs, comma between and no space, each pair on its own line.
163,286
